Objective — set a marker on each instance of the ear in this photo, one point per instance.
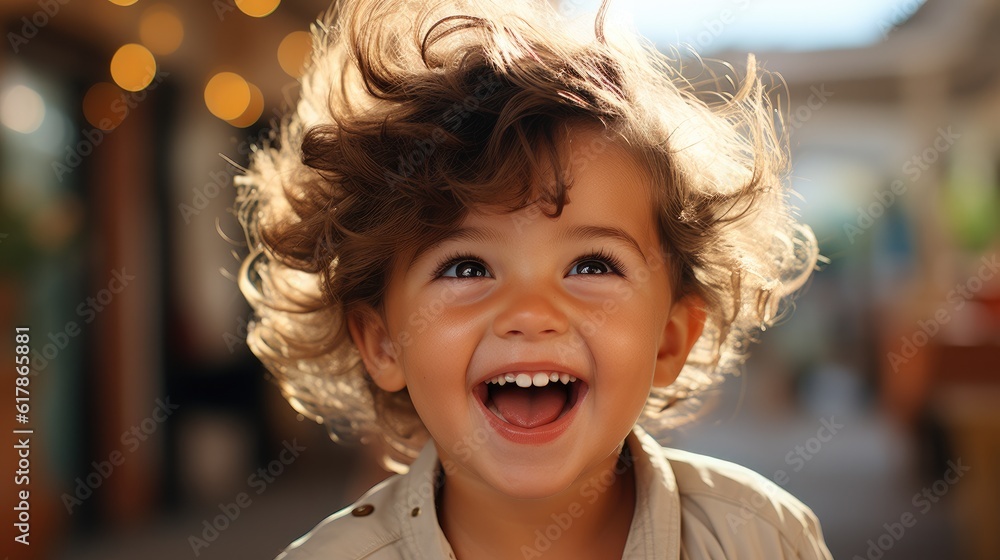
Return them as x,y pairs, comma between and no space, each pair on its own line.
371,337
684,326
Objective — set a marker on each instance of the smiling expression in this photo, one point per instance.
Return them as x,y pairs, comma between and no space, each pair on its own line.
509,299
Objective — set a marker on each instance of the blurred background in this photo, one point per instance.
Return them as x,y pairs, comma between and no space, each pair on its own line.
156,434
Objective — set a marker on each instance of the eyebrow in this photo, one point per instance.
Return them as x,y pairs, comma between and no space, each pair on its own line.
486,235
600,232
460,234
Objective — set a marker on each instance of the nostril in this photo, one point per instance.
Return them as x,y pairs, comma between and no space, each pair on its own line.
530,314
540,332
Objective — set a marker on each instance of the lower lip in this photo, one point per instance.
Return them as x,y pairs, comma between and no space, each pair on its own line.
533,436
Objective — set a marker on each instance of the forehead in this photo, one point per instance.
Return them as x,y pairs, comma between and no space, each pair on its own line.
604,174
607,186
609,193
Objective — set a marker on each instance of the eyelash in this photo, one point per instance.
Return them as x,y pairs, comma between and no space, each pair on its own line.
452,260
613,262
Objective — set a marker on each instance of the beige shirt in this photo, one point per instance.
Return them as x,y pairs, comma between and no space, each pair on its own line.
688,507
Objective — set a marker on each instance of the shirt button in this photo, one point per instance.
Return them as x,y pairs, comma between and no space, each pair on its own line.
415,512
363,510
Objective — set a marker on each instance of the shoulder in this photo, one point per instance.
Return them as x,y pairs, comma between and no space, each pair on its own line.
730,511
368,529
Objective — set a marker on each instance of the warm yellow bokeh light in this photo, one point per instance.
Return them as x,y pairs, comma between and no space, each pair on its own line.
253,110
227,95
294,51
257,8
104,106
123,2
133,67
161,28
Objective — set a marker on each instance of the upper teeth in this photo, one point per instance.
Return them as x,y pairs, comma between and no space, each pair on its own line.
539,379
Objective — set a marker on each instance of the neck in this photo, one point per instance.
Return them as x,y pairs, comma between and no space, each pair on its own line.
590,519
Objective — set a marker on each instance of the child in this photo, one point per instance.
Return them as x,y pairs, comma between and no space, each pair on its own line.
497,243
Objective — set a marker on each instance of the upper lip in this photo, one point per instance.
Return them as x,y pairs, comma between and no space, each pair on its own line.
529,367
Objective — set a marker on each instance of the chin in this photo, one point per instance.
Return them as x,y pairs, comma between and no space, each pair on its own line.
531,483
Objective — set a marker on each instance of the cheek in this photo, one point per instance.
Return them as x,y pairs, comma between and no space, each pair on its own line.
634,318
449,329
625,346
438,354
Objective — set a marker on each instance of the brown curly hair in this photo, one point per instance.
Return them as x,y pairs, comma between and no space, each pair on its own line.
413,112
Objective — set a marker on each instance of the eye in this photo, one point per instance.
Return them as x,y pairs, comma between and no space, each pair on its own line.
591,267
597,264
463,267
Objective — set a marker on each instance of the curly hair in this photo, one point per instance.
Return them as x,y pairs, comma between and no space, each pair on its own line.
412,112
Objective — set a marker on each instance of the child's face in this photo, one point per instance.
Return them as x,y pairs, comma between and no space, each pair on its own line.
585,294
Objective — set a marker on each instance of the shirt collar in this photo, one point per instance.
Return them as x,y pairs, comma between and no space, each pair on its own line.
419,522
656,521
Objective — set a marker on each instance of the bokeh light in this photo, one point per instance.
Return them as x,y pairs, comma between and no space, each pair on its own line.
253,110
161,28
133,67
294,51
257,8
104,106
123,2
227,95
22,109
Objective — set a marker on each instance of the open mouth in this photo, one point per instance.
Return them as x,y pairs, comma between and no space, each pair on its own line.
530,400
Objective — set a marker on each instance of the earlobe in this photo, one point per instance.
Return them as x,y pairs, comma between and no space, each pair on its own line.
371,337
683,329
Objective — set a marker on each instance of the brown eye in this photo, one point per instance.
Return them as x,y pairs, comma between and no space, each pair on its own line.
591,267
598,263
466,269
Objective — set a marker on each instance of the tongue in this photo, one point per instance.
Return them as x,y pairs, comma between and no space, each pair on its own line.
528,407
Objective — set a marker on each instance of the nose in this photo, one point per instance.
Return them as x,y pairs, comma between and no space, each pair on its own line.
531,315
